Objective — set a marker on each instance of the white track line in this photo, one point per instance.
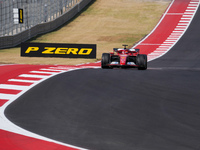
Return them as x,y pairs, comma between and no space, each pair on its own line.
7,96
43,72
13,87
19,80
33,76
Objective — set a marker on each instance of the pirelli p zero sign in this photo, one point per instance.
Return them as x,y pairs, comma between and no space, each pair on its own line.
58,50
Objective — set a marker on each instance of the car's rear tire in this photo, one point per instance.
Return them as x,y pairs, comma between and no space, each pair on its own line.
105,61
141,61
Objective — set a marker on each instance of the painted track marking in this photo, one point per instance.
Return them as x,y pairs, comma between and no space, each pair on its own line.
179,19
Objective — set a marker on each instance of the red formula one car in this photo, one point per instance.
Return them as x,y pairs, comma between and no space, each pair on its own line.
124,58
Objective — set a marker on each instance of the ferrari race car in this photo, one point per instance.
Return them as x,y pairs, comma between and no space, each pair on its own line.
124,58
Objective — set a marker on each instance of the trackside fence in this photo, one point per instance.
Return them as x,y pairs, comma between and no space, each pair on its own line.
39,16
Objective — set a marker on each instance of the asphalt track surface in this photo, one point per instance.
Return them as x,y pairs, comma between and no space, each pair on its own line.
121,108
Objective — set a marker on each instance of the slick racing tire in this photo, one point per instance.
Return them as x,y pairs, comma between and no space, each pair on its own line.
141,61
105,61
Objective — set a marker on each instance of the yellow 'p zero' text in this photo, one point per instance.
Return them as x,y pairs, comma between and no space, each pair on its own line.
61,50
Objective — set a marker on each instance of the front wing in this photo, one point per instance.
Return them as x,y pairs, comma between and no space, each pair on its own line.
128,64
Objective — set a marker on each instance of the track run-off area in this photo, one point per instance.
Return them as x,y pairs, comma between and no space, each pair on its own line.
50,107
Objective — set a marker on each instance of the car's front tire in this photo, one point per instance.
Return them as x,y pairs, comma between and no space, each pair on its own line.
141,61
105,61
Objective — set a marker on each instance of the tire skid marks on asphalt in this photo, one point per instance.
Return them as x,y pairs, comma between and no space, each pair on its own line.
178,31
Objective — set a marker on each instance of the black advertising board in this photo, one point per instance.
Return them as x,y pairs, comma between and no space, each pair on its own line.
58,50
21,16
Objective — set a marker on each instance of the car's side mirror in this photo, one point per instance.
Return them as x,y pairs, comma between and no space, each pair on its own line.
137,50
115,49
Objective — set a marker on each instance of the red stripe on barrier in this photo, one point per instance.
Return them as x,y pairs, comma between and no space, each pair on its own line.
9,91
43,74
12,141
2,102
50,71
179,6
18,83
28,78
